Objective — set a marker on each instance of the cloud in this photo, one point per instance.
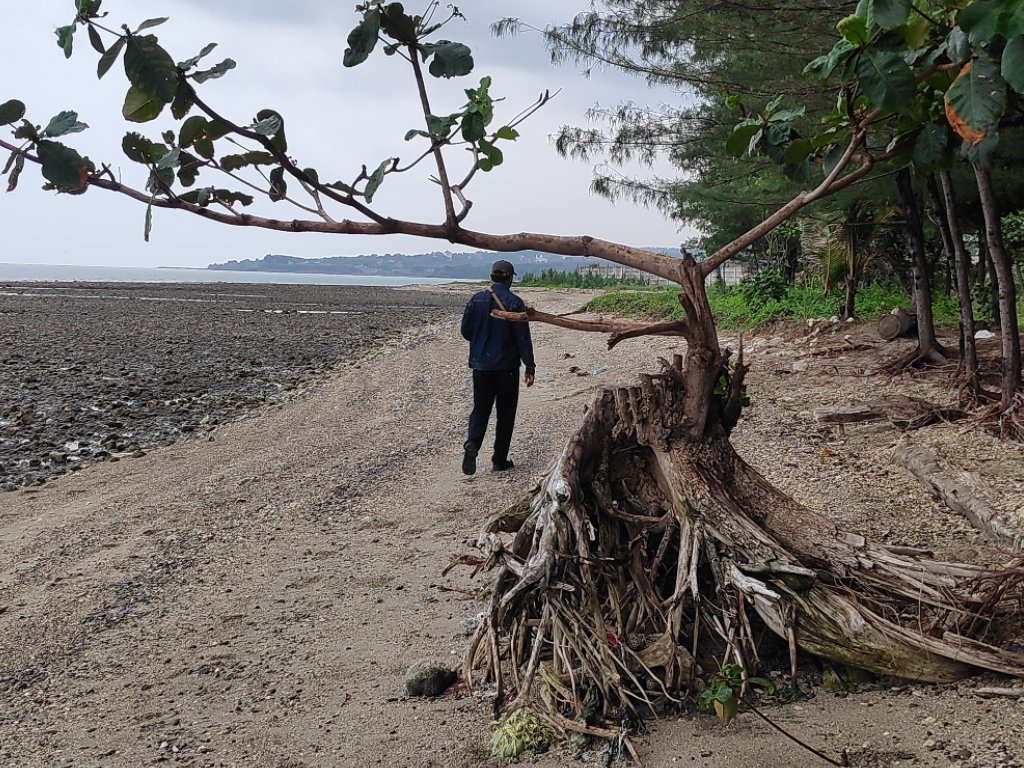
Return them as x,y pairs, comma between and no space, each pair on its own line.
289,58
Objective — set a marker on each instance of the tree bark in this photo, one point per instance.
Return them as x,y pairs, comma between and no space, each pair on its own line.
969,350
929,350
1010,335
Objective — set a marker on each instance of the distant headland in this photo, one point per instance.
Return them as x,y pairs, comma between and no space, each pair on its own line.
444,264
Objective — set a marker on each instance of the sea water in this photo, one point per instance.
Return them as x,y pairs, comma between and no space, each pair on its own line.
67,273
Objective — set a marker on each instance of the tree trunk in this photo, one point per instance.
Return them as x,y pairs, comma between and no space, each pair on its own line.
929,350
648,555
969,352
651,550
1010,335
851,298
942,224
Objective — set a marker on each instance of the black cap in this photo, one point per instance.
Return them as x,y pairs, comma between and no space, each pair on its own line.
502,270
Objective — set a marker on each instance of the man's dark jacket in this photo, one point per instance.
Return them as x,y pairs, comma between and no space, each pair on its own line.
496,345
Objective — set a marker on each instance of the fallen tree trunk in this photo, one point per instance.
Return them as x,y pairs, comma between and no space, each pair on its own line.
957,491
896,325
648,556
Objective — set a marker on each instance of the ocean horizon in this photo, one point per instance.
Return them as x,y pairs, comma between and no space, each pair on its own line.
73,273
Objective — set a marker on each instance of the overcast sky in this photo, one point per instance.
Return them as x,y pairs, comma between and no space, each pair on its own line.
289,59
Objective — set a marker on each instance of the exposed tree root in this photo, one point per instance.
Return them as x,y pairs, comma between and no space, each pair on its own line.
646,555
919,357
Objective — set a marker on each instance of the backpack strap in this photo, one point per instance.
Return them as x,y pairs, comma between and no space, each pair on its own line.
497,300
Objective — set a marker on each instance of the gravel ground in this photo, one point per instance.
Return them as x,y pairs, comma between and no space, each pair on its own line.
255,597
94,372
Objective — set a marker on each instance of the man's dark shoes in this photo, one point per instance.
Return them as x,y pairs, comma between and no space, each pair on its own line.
502,465
469,458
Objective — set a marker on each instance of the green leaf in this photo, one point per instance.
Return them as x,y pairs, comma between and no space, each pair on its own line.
397,24
88,8
507,132
375,180
362,39
96,41
140,107
985,20
66,39
854,29
451,59
473,127
831,158
930,149
888,14
267,118
160,180
107,59
169,160
440,127
234,162
11,111
413,133
976,100
205,149
141,150
191,130
278,185
150,69
886,80
15,165
149,223
200,197
231,197
148,23
183,101
189,63
492,156
786,115
739,142
1013,63
797,151
64,123
26,131
981,152
188,170
63,167
822,67
214,72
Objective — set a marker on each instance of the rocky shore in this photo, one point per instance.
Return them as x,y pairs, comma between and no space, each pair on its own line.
92,372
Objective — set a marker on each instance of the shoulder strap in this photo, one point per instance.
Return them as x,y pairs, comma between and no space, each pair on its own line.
497,300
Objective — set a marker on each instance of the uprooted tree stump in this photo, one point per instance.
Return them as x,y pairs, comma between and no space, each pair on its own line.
645,555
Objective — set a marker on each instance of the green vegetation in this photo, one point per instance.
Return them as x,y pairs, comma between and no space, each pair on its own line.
553,278
739,307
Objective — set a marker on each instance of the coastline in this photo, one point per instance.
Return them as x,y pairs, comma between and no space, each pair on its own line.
104,371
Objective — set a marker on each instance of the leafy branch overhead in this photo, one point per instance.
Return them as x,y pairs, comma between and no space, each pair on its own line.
915,76
253,156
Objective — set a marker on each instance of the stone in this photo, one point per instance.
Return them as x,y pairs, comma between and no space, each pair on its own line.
429,678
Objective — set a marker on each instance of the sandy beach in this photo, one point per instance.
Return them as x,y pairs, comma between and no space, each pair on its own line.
247,584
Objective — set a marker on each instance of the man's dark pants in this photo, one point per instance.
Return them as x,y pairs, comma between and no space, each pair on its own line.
490,388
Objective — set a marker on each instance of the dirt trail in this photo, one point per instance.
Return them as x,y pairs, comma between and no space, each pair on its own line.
254,599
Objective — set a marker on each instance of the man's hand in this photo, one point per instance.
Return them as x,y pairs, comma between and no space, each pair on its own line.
528,380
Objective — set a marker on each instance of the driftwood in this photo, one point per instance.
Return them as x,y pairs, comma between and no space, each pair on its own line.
897,324
958,490
902,412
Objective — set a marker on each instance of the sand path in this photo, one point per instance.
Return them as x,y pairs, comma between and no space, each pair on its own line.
254,599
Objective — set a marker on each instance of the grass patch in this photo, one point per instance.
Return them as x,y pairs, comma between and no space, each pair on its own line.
553,278
736,307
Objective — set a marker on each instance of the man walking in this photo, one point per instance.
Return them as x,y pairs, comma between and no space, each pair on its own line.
496,350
